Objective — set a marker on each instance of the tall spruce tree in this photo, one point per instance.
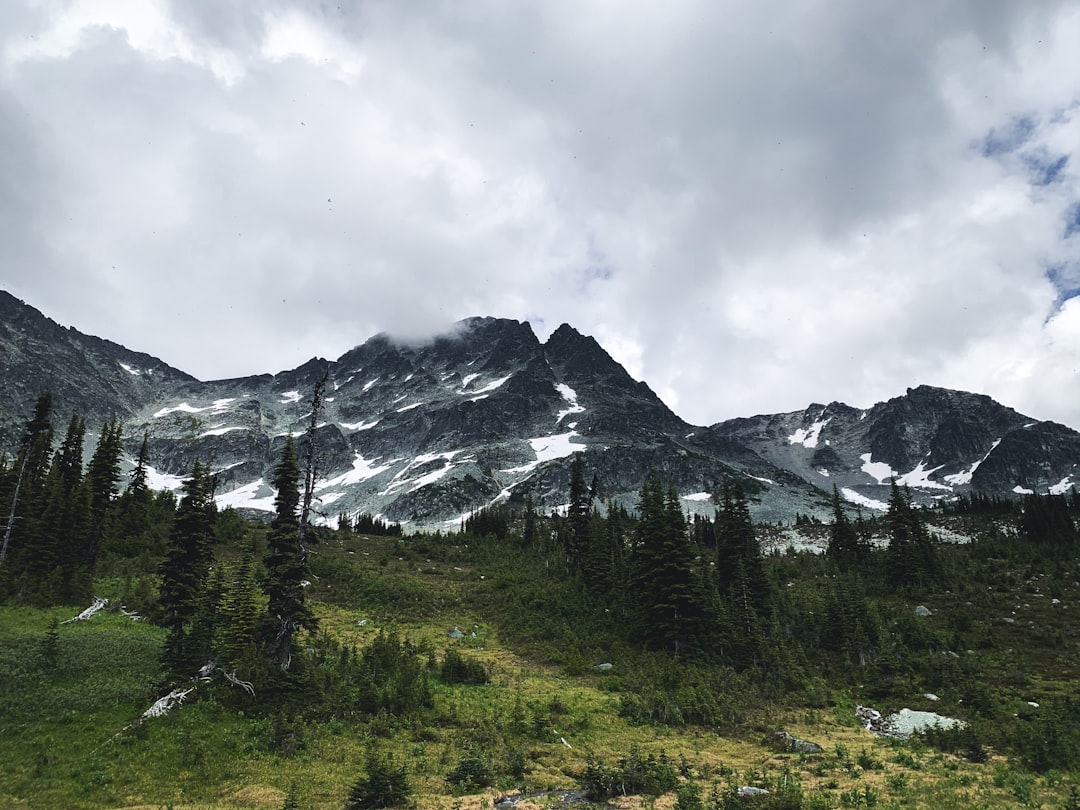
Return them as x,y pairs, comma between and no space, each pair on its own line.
23,530
60,558
579,536
184,570
286,566
846,548
911,558
668,587
103,480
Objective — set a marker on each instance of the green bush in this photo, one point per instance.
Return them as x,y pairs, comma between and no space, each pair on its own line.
458,668
385,785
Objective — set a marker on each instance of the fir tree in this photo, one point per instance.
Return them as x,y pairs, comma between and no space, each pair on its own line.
666,581
286,566
185,568
846,547
23,530
103,480
579,537
911,558
240,616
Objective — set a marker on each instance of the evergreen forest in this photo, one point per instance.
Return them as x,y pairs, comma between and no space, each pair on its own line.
157,651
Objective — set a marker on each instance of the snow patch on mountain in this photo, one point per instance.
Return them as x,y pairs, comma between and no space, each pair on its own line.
217,406
491,386
409,407
134,372
697,496
548,448
808,437
878,470
248,497
221,431
362,470
570,395
289,397
160,480
401,479
1022,490
369,383
964,478
359,425
919,478
851,496
1062,486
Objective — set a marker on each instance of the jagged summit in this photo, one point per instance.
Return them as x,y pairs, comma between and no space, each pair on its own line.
426,430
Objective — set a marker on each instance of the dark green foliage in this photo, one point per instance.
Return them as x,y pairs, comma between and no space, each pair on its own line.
463,669
366,523
392,678
388,680
184,573
237,639
24,492
634,774
963,740
846,548
579,537
103,480
386,784
493,521
1047,520
473,772
666,578
286,564
1051,739
911,558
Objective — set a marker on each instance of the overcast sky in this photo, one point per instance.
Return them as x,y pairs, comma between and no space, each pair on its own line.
752,206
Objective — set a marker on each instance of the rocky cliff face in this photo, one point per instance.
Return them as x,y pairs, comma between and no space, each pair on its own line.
938,442
426,432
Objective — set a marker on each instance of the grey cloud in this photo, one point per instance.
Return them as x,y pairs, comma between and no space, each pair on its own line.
751,208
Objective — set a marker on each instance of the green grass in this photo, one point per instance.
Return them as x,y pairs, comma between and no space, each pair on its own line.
64,707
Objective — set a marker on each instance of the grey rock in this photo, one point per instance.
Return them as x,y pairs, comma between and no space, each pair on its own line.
922,610
788,743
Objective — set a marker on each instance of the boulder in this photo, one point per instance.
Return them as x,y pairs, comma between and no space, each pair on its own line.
788,743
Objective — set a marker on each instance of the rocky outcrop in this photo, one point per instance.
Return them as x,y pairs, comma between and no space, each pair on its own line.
429,431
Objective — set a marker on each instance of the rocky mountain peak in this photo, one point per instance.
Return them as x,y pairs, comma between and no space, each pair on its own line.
427,430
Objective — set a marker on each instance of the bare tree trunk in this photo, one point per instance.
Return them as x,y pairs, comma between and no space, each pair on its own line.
14,506
311,460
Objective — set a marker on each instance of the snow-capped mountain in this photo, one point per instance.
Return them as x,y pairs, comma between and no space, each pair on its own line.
935,441
424,433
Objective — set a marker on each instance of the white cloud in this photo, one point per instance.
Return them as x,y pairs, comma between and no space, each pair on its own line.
751,208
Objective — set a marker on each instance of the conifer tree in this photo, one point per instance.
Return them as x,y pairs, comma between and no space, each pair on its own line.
103,480
911,558
578,538
59,560
240,615
846,547
286,566
185,568
23,529
667,584
737,546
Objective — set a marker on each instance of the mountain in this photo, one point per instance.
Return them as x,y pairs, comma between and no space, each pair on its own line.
426,432
936,441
